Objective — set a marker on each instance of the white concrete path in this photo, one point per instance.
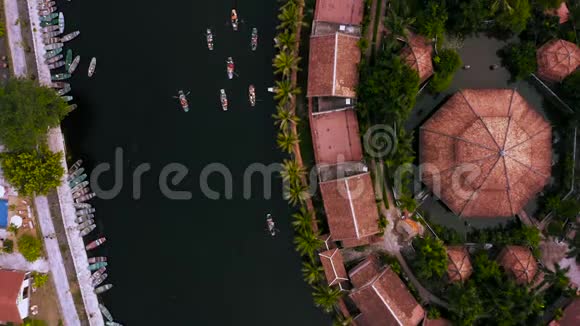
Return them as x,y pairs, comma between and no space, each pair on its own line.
16,261
14,33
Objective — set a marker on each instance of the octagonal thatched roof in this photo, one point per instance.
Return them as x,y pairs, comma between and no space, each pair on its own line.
557,59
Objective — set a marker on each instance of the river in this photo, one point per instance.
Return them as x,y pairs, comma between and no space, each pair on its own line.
184,262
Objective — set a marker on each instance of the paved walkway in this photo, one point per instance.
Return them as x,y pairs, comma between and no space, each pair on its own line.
15,42
16,261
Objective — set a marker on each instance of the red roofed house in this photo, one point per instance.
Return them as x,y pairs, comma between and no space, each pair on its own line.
333,66
14,296
382,297
333,265
459,267
571,315
348,12
520,263
336,137
350,207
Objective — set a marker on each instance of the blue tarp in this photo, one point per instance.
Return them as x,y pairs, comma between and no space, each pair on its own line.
3,213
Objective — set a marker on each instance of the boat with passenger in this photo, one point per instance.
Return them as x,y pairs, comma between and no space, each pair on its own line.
254,41
252,95
209,38
183,100
271,225
234,20
230,68
224,99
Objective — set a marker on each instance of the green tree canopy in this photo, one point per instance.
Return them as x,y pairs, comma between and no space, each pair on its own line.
26,113
464,303
468,16
446,64
30,247
569,90
431,259
431,22
549,4
513,15
34,173
520,59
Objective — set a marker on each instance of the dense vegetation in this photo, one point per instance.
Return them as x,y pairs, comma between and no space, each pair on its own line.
445,64
30,247
520,59
33,173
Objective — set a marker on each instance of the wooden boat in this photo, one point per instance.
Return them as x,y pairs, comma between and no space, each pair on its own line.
58,84
96,243
99,259
100,280
50,54
46,4
94,267
67,98
68,59
270,225
83,218
87,230
54,59
56,65
98,273
49,17
209,39
234,20
252,95
71,108
50,34
64,90
224,99
254,39
78,180
230,67
103,288
48,29
82,205
112,323
85,211
74,64
81,192
105,312
92,67
61,21
86,197
86,224
51,40
47,11
79,186
53,46
76,165
47,23
78,172
70,36
61,76
183,100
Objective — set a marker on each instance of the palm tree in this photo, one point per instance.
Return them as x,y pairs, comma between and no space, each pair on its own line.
296,193
557,278
291,171
284,91
312,272
503,5
286,40
397,26
307,243
284,116
302,220
288,16
341,320
286,141
285,62
326,297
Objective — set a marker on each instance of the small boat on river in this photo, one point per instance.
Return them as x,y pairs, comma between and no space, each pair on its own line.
271,225
98,273
70,36
100,280
61,22
79,187
83,218
82,205
77,172
50,28
254,40
74,64
252,95
86,197
50,40
68,59
85,211
92,67
53,46
112,323
86,224
96,266
99,259
209,38
234,19
71,107
56,65
47,35
58,84
96,243
77,180
64,90
103,288
53,53
61,76
183,100
80,192
67,98
105,312
47,11
230,67
49,23
49,17
87,230
54,59
224,99
76,165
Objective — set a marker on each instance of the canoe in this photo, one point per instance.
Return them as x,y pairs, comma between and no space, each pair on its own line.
70,36
59,84
50,54
81,192
78,172
76,165
67,98
86,197
87,230
98,273
99,259
112,323
96,243
103,288
61,76
51,34
54,59
56,65
53,46
71,108
82,205
77,180
61,21
94,267
92,67
49,17
47,23
82,218
47,11
100,280
105,312
85,211
86,224
51,28
79,186
68,59
74,64
51,40
64,90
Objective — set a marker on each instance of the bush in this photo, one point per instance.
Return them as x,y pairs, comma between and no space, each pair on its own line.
8,246
520,59
569,90
39,279
30,247
446,64
2,29
431,259
33,173
516,18
431,22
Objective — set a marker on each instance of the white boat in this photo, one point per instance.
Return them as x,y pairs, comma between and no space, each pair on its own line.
100,280
85,211
61,22
271,225
86,197
105,312
103,288
112,323
98,273
67,98
85,224
92,67
77,172
74,64
50,28
83,218
209,39
50,54
252,95
64,90
70,36
82,205
87,230
234,19
54,59
56,65
230,67
81,192
53,46
51,40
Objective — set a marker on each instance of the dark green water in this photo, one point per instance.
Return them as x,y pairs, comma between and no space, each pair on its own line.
200,261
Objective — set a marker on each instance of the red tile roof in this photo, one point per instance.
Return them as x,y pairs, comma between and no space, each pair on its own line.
437,322
562,12
387,301
486,153
350,207
348,12
333,265
571,315
364,272
417,54
333,65
557,59
459,266
10,284
336,136
519,262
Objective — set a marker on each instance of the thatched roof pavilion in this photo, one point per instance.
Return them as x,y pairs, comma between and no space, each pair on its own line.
417,55
486,153
459,267
520,263
557,59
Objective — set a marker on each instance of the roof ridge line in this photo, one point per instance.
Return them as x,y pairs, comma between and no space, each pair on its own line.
480,119
531,168
472,161
508,188
509,119
476,190
529,138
